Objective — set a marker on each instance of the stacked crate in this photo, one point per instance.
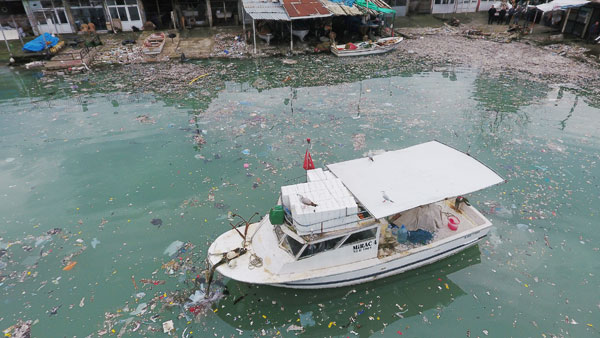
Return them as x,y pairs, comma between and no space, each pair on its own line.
336,208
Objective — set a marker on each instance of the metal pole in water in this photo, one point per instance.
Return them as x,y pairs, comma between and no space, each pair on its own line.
6,41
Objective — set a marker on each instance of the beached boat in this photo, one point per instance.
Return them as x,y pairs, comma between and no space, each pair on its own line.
380,46
154,44
360,220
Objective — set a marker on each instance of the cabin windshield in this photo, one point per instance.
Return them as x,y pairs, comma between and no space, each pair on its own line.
300,250
361,236
288,243
318,247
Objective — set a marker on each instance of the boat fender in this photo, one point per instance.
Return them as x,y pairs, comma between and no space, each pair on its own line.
453,223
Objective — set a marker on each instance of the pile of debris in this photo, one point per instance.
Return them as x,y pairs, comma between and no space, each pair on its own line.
576,52
122,54
228,45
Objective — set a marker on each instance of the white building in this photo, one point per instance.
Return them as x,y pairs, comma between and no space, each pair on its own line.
67,16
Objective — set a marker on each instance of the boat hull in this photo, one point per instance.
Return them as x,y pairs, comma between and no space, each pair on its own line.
335,49
154,44
386,269
344,275
362,52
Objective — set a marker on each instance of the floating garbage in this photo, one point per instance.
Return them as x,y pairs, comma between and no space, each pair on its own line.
95,242
199,303
42,240
168,327
141,308
522,226
22,329
294,328
70,266
306,319
156,221
172,249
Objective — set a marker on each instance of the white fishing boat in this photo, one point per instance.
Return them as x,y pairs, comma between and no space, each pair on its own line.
336,229
154,44
380,46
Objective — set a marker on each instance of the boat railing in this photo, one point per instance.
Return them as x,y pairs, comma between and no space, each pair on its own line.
362,215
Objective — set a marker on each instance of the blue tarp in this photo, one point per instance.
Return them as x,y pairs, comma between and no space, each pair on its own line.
348,3
40,43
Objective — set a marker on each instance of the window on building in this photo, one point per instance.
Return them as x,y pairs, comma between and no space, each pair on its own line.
113,12
62,16
122,13
41,19
133,13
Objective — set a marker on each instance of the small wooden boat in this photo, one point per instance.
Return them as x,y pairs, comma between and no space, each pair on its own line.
380,46
154,44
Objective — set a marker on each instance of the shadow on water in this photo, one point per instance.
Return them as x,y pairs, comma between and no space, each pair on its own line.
363,308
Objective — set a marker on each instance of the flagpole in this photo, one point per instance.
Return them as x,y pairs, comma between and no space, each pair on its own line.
308,162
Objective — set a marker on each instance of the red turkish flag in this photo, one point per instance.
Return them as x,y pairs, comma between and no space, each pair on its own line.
308,162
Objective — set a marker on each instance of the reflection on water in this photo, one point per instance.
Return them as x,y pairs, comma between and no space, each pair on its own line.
364,308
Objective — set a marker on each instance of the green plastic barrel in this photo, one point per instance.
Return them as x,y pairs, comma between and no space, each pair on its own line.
277,215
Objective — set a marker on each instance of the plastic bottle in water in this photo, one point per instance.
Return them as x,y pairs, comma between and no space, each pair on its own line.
402,234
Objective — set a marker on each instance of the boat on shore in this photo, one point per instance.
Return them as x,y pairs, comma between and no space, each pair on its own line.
154,43
360,220
380,46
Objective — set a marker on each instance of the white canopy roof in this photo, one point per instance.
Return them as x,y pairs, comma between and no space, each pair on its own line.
560,4
411,177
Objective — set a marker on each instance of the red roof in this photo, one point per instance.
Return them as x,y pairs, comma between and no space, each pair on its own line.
302,8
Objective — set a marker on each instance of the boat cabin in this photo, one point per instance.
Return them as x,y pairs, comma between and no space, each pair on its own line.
324,217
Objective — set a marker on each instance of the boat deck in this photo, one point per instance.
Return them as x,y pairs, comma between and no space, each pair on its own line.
468,216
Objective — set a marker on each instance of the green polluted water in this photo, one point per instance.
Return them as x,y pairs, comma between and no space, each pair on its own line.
113,180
